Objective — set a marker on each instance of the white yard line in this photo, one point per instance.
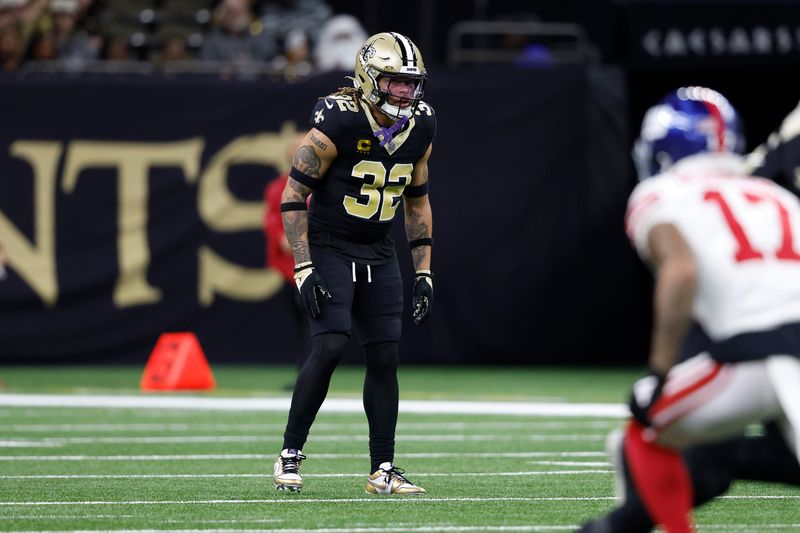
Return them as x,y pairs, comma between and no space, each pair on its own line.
319,426
271,457
750,527
28,443
301,500
330,405
570,463
377,499
423,529
48,516
305,475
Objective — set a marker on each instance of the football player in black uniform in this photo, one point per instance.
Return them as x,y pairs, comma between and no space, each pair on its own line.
366,153
779,157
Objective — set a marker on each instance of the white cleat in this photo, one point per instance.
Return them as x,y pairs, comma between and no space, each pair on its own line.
286,474
389,479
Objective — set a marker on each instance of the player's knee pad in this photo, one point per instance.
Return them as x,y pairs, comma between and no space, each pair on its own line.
327,348
382,357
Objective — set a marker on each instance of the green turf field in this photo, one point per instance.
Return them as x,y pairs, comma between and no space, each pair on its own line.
171,469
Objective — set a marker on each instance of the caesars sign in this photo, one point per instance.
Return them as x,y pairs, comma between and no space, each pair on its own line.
34,259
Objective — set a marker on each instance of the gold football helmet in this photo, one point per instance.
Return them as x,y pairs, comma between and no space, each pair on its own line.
396,56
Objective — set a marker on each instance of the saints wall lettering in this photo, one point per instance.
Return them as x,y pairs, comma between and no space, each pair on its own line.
34,257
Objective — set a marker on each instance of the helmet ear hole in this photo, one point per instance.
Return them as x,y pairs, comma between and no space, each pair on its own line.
664,160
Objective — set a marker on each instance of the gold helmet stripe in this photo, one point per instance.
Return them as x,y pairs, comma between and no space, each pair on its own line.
407,50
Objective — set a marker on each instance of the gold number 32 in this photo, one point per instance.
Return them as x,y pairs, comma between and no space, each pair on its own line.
381,195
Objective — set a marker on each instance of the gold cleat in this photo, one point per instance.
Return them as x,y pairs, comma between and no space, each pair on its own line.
286,474
389,479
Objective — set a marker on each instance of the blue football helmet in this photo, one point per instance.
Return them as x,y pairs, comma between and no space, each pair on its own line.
688,121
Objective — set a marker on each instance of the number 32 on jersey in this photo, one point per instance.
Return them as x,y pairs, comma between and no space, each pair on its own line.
381,193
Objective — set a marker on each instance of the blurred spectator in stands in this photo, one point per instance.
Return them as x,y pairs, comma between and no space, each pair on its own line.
174,48
42,46
11,48
24,14
524,49
280,17
534,55
9,12
339,41
117,47
238,36
295,61
72,44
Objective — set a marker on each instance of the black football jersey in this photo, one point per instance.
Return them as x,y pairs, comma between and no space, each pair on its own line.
356,200
779,157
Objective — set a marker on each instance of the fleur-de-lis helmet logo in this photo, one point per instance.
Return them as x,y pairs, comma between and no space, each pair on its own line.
367,52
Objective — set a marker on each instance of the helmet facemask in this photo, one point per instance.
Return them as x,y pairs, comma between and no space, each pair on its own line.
404,104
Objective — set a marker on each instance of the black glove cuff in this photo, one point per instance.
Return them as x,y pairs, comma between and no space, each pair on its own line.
302,266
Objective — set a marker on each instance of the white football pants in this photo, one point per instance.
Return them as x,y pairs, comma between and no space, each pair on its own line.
706,401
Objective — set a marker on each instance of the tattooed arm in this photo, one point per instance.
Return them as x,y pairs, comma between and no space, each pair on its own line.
313,158
418,215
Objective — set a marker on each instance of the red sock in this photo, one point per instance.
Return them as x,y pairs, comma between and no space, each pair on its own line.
661,479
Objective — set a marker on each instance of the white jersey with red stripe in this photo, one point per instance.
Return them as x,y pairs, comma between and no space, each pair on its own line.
744,233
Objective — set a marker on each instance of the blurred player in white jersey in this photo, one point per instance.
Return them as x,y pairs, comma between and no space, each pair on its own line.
725,251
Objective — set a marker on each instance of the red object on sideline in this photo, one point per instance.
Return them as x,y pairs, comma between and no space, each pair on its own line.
177,363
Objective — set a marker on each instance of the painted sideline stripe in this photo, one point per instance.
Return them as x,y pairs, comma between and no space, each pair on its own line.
269,476
61,441
333,405
271,457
